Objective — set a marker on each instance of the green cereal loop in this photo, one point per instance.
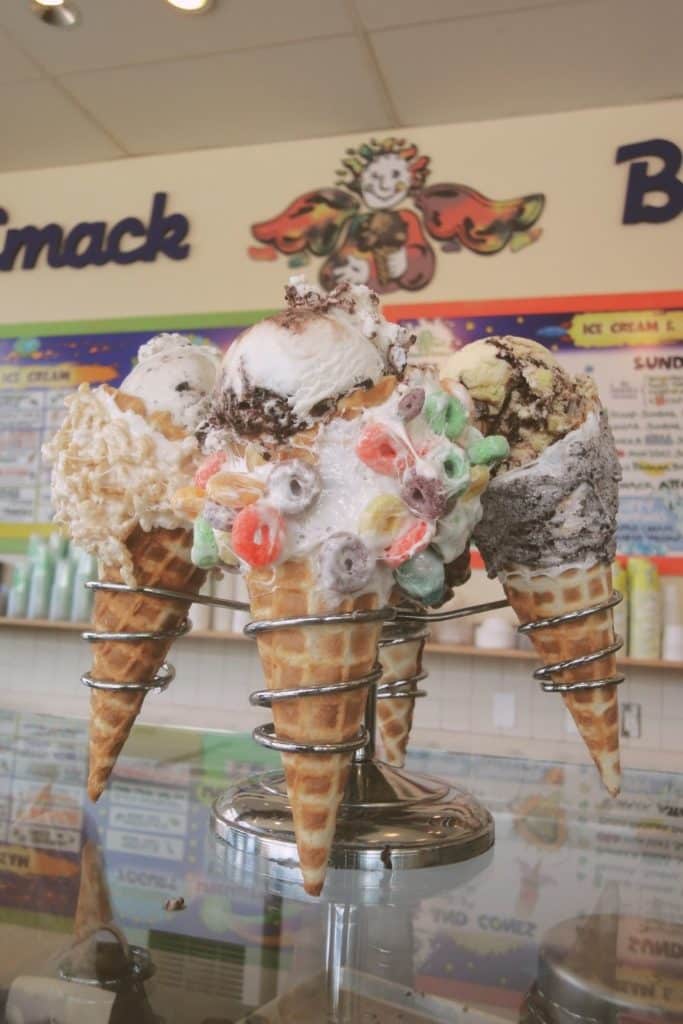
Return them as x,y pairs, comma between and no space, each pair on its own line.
456,418
490,449
204,547
435,411
422,577
445,414
456,468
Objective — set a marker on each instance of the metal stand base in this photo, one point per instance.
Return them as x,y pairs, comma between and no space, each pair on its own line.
389,819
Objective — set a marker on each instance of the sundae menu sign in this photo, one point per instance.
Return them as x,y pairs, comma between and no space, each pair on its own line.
631,344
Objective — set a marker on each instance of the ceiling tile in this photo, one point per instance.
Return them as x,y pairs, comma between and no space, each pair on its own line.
114,33
321,87
40,127
14,66
380,14
533,61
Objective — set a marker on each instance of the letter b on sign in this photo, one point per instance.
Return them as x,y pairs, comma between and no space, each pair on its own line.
640,184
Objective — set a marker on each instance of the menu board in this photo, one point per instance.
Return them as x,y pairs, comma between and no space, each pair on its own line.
633,347
36,375
631,344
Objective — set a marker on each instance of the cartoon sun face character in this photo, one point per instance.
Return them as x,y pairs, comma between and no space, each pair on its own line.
385,182
366,232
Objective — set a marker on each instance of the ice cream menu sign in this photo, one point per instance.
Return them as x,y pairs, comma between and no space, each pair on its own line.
37,372
633,347
631,344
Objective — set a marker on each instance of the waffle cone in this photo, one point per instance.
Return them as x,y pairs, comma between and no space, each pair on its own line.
595,712
309,657
161,558
395,715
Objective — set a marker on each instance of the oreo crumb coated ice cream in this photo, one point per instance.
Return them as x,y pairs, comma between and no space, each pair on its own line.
289,371
562,508
553,501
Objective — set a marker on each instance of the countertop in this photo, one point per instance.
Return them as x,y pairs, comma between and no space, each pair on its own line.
577,912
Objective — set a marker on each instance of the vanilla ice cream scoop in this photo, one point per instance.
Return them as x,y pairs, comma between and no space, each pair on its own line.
518,389
289,370
118,460
174,375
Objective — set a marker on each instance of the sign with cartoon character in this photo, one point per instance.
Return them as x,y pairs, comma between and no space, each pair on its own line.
366,233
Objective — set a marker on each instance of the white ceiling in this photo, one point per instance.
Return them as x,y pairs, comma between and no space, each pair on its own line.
137,77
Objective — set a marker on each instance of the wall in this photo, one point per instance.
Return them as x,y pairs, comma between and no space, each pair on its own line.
40,672
568,157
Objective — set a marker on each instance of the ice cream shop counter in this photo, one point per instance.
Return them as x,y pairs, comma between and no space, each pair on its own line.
131,910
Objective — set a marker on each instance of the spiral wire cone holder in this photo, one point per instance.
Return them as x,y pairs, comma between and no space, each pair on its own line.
166,673
388,819
546,672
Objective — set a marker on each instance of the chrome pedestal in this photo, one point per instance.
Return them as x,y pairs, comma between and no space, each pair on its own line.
388,820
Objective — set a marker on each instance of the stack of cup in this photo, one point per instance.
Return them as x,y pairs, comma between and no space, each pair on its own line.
200,614
672,639
495,633
621,610
223,588
645,620
240,619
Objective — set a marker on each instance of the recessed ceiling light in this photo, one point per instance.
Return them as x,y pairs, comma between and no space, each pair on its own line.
56,13
191,6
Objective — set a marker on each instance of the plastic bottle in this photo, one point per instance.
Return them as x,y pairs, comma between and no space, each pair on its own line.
41,583
62,590
621,610
81,602
58,545
17,600
645,625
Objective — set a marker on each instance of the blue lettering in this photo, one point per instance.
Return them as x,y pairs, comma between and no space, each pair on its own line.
640,183
93,244
32,240
94,253
128,226
167,232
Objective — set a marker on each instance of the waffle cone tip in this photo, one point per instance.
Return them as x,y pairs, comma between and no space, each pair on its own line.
310,657
595,710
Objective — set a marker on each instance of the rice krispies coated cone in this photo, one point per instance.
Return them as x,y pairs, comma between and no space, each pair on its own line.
395,715
161,558
310,656
596,712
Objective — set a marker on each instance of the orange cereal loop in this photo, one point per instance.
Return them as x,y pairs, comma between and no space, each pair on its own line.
234,490
365,398
189,501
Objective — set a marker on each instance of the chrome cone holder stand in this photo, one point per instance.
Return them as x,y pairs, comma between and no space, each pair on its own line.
389,819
